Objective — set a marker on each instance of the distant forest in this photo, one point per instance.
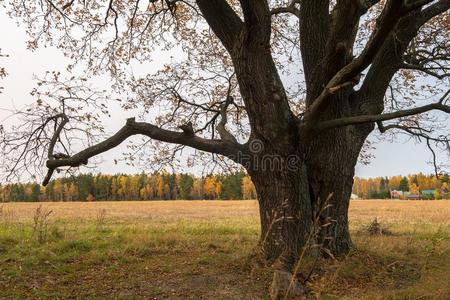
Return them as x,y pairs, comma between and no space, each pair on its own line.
166,186
428,186
156,186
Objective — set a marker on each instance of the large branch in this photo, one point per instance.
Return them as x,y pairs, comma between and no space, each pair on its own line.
391,14
389,59
363,119
393,11
432,11
257,23
226,148
223,20
314,30
338,52
255,11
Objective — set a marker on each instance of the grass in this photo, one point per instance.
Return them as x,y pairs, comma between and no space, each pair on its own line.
204,249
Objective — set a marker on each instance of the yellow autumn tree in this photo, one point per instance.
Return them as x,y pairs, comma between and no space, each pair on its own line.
212,187
248,188
394,182
134,187
414,189
146,192
160,187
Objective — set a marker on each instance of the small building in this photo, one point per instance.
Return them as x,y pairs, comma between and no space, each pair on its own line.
412,196
428,194
396,194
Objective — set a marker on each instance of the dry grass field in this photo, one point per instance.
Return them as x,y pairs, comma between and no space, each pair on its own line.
206,250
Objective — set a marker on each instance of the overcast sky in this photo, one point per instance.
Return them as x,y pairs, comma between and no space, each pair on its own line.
396,158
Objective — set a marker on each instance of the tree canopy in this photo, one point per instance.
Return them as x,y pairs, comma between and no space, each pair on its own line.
394,54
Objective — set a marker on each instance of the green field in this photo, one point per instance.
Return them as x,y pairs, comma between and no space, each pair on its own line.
206,250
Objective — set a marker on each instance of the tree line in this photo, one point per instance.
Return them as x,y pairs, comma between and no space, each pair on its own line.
156,186
381,187
166,186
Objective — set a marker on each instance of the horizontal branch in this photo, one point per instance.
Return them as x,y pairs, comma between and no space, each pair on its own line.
411,130
420,133
364,119
226,148
424,69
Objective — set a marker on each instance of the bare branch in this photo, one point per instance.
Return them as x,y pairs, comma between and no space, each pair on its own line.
424,69
421,134
314,30
68,4
363,119
131,128
223,132
433,10
64,121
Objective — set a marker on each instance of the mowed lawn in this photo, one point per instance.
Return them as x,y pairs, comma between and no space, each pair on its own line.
207,250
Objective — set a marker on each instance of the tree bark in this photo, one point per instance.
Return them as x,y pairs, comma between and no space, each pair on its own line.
293,181
331,162
290,197
285,213
286,219
331,169
292,187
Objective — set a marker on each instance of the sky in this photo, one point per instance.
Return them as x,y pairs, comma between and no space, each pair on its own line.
400,157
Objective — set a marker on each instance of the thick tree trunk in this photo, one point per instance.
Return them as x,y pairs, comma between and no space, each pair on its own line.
331,168
288,207
292,185
286,221
286,217
285,212
289,197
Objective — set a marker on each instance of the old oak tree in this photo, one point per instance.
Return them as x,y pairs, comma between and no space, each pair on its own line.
290,90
